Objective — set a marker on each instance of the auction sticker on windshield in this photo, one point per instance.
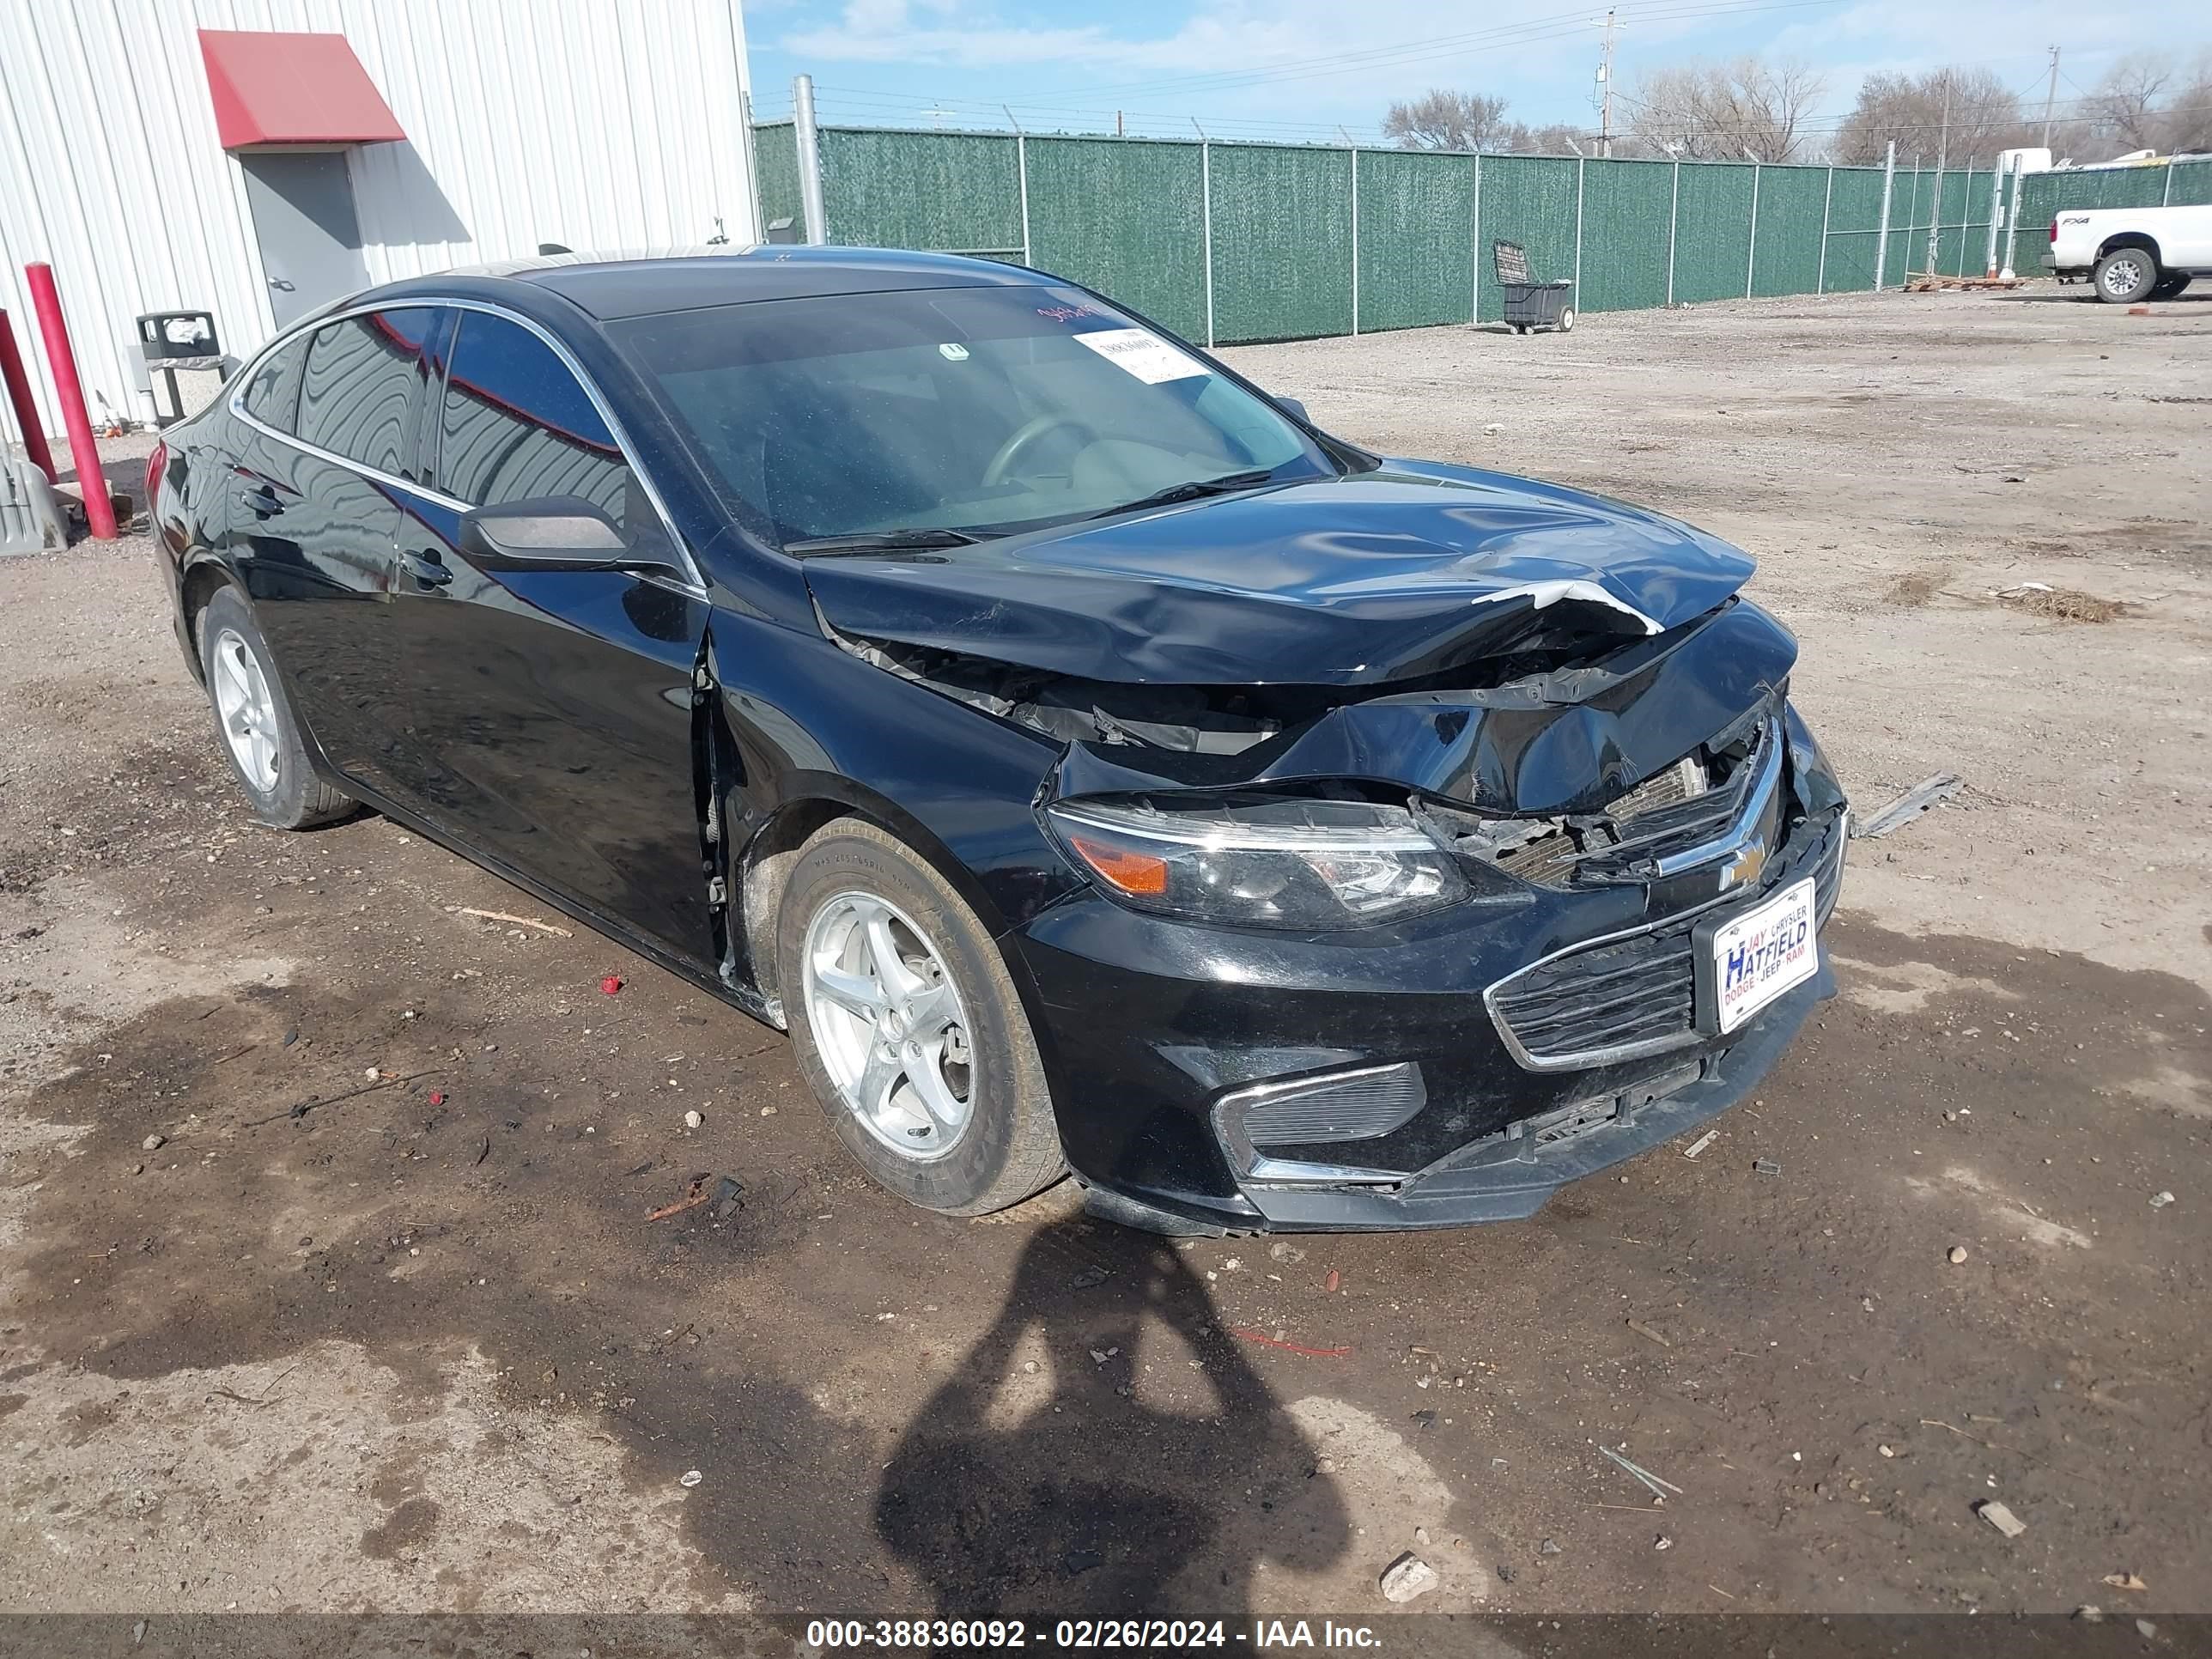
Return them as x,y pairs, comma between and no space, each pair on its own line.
1753,958
1145,355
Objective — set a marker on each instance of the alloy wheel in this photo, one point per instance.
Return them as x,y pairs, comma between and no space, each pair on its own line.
247,711
2124,276
889,1024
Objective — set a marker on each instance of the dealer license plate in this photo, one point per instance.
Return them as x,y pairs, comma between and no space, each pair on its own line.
1761,954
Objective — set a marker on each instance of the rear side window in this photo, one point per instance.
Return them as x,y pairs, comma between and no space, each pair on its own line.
517,425
272,392
357,396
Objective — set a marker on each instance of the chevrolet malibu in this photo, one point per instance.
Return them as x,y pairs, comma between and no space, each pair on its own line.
1098,768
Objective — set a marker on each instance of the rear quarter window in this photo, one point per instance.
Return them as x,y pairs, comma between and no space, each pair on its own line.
271,394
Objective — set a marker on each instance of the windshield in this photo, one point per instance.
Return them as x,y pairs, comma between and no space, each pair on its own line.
985,410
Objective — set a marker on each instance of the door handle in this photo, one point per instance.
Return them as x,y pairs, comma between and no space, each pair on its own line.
426,568
261,499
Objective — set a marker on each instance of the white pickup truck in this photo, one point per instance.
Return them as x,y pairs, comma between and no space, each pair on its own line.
2131,254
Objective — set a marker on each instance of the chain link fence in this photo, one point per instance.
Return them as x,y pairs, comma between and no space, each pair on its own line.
1233,243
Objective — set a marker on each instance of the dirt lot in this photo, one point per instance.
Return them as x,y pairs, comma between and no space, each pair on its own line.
421,1349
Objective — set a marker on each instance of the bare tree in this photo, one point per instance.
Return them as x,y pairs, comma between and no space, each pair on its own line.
1749,109
1979,114
1447,120
1555,139
2149,102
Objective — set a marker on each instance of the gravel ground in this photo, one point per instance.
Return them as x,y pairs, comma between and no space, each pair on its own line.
420,1349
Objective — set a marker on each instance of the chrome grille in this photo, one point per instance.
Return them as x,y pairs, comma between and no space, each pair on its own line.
1632,994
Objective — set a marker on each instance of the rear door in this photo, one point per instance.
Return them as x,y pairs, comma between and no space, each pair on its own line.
553,708
322,497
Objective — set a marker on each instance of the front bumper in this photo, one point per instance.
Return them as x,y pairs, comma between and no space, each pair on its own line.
1156,1032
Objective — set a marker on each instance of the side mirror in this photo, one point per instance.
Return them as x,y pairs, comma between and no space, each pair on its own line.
550,532
1295,409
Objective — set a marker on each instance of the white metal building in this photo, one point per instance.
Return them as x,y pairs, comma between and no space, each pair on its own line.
228,156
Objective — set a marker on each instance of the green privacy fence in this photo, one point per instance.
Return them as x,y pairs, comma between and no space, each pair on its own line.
1232,243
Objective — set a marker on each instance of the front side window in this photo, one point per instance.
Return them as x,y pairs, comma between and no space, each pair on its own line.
980,410
359,386
517,425
272,391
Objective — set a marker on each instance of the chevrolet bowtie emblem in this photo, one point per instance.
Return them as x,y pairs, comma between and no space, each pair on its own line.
1745,868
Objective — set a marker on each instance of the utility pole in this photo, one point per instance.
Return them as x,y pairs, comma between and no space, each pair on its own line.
2049,97
1605,83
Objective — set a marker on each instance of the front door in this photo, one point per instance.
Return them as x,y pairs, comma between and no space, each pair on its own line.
551,710
305,224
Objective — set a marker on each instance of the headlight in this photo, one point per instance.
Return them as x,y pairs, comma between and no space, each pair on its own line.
1319,864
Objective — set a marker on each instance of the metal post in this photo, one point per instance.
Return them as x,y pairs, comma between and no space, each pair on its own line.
27,408
752,165
808,138
1674,218
1355,241
1751,265
1996,217
1206,225
1935,207
61,364
2012,219
1827,196
1475,284
1022,174
1580,163
2165,196
1881,236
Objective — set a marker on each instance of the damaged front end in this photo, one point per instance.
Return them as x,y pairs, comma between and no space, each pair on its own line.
1412,949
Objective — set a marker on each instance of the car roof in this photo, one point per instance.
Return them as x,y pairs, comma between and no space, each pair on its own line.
648,281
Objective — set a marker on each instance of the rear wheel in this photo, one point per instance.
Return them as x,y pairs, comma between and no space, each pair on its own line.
2125,276
908,1028
259,737
2170,285
1566,320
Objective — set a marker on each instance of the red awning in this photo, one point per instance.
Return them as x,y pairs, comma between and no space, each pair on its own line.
271,87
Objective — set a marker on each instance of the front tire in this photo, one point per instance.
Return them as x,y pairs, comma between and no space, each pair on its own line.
1566,320
254,722
907,1027
2125,276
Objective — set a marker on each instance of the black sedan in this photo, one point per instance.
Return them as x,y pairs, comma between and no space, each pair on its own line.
1094,767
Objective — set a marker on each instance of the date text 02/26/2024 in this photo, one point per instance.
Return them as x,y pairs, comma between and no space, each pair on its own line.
1084,1635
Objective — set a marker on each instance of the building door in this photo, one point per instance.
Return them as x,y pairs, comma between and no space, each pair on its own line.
304,221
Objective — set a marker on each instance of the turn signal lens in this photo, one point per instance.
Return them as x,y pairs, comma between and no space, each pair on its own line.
1138,874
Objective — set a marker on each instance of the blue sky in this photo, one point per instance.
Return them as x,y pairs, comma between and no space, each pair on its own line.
1300,69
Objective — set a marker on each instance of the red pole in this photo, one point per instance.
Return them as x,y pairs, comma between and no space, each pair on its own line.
61,362
19,394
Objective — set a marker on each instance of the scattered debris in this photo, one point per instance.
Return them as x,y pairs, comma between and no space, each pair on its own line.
2060,603
1094,1275
1764,1166
1701,1143
1078,1560
1957,1253
300,1109
1929,281
153,1143
1547,1547
2147,1629
612,985
1286,1252
2160,1201
1659,1488
1663,1542
1099,1356
1424,1419
1907,807
695,1196
1643,1329
437,1097
1407,1577
518,922
1332,1281
2000,1517
694,1119
484,1150
729,1197
690,1478
1294,1347
2125,1581
1887,1451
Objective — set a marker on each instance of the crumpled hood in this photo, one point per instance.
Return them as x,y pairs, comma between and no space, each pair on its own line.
1413,569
